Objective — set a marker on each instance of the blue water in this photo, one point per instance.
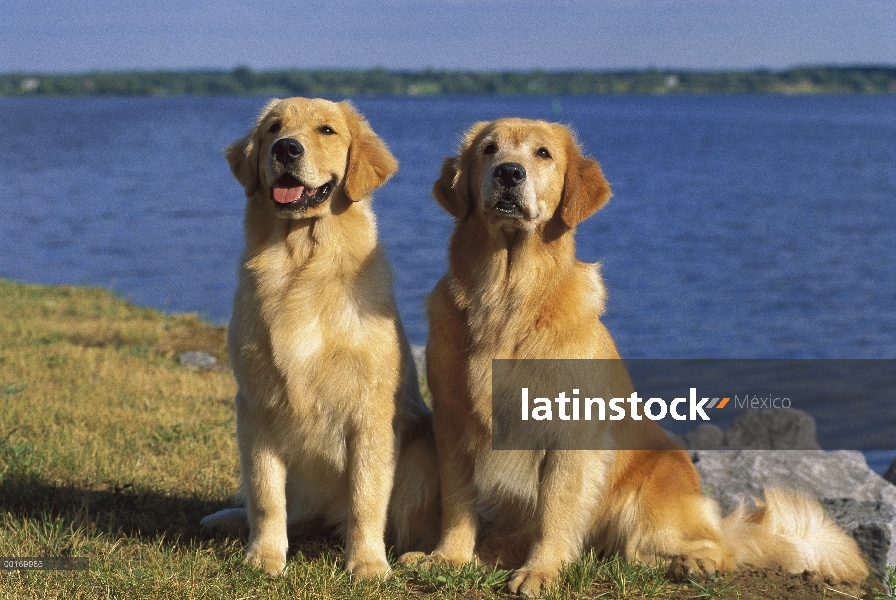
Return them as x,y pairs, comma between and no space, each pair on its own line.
741,226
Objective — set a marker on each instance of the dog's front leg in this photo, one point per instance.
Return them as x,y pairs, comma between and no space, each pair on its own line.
371,455
460,521
568,494
265,479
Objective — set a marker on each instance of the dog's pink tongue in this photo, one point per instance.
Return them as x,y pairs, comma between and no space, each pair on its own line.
287,195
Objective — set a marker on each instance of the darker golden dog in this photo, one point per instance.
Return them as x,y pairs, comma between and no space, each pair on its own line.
332,429
514,289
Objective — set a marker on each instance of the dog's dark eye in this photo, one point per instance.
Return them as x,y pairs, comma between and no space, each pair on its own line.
275,127
326,130
543,152
490,149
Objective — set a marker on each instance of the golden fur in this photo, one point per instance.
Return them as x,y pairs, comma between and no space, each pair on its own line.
329,411
514,289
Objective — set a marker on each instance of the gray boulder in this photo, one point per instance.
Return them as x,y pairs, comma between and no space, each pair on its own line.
705,436
772,429
419,354
197,359
890,475
855,497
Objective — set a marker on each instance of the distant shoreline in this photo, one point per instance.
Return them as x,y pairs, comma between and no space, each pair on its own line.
243,81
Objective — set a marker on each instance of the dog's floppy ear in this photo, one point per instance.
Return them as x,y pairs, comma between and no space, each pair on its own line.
243,154
452,188
449,191
585,188
370,163
243,158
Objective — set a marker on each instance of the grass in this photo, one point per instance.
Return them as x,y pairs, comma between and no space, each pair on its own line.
111,450
889,584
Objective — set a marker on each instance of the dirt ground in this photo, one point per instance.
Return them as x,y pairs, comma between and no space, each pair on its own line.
772,584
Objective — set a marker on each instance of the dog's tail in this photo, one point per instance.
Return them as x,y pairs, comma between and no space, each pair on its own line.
791,530
414,506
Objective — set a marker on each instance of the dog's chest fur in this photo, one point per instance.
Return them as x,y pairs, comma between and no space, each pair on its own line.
528,301
313,324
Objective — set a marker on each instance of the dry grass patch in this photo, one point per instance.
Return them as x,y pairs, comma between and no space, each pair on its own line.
111,450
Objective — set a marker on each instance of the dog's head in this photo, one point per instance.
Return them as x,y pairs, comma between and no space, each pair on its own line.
301,152
521,174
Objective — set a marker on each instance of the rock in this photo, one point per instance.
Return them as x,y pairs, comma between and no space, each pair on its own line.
760,429
705,436
419,354
871,523
857,498
771,429
890,475
197,359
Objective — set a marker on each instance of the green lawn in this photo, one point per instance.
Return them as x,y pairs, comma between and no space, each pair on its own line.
110,450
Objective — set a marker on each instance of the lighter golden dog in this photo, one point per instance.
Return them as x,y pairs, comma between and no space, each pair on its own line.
329,412
514,289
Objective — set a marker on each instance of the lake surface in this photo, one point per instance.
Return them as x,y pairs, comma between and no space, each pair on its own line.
741,226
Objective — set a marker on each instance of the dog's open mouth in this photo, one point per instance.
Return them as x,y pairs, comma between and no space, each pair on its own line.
289,192
508,207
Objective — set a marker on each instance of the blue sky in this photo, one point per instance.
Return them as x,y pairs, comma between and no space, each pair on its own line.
67,36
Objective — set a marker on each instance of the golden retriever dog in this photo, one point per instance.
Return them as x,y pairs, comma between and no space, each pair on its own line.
514,290
332,428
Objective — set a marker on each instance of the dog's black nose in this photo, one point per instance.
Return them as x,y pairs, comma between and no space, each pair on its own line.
287,150
510,174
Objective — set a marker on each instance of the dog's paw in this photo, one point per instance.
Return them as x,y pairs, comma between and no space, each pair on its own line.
272,562
685,566
426,560
367,568
234,521
412,558
531,583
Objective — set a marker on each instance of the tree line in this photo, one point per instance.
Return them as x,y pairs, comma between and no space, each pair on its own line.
381,82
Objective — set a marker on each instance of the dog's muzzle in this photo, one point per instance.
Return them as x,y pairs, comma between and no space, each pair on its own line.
507,179
288,192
